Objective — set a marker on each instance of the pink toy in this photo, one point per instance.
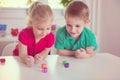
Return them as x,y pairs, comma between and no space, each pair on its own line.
44,70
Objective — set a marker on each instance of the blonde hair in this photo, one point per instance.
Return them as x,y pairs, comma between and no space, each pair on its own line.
77,9
39,11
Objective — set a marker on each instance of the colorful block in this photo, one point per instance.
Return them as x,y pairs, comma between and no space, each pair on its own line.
2,60
44,70
66,65
65,61
43,66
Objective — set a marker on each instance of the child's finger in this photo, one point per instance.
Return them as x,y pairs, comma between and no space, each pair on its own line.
30,61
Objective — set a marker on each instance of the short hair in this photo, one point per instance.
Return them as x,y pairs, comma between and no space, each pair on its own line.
39,11
77,9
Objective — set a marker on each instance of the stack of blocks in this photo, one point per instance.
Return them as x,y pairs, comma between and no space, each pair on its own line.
44,68
65,63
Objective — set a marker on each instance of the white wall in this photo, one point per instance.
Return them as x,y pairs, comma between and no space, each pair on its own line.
110,27
13,17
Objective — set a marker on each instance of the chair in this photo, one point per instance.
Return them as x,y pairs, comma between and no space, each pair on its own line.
8,49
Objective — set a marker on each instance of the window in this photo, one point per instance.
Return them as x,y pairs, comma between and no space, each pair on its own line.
55,4
14,3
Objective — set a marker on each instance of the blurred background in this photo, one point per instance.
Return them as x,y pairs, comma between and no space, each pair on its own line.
104,15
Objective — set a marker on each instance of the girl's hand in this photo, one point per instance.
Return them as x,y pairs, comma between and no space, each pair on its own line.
38,57
29,60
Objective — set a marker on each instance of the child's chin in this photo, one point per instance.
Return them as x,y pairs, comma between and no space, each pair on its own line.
42,36
74,36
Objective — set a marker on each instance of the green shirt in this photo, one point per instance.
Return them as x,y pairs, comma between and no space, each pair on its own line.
65,41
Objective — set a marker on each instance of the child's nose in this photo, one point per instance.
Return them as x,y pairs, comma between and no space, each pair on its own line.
72,29
44,32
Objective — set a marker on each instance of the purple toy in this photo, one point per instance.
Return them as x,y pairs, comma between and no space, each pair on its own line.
66,65
44,70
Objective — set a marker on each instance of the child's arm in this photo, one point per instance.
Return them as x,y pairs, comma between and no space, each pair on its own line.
22,50
29,60
65,52
90,51
42,55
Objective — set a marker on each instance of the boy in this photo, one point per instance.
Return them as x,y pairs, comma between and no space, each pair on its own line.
75,39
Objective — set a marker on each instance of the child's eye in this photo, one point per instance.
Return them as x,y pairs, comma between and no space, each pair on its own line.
39,28
48,28
77,26
69,25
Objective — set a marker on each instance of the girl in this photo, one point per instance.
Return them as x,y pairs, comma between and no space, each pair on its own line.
36,40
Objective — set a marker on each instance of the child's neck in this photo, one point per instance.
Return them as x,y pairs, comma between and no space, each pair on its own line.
37,39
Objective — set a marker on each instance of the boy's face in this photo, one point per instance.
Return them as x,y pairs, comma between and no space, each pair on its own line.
41,28
74,26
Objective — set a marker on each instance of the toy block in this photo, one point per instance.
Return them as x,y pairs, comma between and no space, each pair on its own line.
44,70
65,61
66,65
2,60
43,66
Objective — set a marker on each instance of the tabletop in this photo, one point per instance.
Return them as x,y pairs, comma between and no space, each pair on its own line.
102,66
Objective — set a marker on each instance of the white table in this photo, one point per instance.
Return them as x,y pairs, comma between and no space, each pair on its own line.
102,66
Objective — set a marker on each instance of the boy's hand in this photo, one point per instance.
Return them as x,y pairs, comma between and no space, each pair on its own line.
29,60
80,53
90,49
38,57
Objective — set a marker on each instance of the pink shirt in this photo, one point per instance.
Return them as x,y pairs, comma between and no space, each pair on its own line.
26,37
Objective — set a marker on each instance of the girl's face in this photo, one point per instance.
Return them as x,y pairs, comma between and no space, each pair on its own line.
74,26
41,28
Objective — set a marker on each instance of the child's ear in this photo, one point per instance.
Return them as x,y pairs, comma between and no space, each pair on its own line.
87,22
30,23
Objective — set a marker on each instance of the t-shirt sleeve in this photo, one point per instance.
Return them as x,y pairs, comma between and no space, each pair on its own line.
23,37
59,43
91,41
51,40
94,42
